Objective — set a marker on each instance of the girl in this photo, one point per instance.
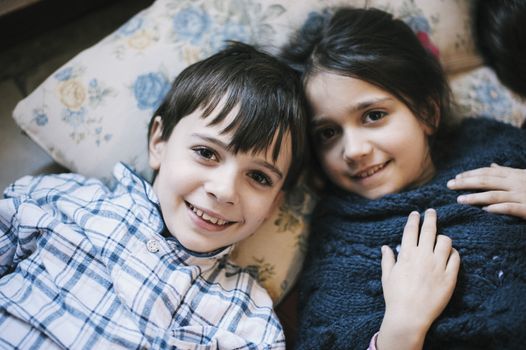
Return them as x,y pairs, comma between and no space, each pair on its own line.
380,103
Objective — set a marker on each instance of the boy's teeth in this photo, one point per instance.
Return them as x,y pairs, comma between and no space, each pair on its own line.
207,217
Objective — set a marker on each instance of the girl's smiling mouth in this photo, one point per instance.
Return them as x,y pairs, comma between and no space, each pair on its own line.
370,171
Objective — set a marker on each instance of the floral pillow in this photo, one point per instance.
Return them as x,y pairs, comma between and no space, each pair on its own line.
444,26
479,92
94,110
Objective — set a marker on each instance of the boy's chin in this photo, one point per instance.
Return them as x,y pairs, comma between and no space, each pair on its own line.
199,247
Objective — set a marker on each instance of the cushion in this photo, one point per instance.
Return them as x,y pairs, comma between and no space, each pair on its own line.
442,25
478,92
94,110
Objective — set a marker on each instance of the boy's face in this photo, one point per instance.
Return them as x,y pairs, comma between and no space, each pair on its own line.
210,197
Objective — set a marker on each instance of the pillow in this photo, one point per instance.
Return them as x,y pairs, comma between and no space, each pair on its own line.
444,26
479,92
94,110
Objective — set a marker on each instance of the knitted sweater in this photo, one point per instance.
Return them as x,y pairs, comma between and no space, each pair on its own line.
341,300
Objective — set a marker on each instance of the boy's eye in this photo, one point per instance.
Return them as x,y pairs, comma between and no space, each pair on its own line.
261,178
374,116
325,134
206,153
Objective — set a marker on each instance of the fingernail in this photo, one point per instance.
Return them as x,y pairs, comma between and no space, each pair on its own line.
451,183
383,249
414,213
485,208
430,211
461,199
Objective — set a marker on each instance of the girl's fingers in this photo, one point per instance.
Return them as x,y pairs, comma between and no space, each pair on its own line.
493,170
481,182
443,248
514,209
453,263
388,261
489,197
429,229
410,236
493,178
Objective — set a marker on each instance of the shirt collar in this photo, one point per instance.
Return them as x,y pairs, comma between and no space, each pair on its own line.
127,177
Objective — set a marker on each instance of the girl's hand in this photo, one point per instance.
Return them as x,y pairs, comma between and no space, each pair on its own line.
418,286
504,189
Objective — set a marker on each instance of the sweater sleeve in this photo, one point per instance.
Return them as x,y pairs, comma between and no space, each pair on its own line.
372,344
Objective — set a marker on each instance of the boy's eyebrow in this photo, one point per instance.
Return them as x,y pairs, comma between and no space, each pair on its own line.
223,145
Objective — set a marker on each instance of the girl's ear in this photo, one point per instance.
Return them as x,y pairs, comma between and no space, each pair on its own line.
156,144
433,117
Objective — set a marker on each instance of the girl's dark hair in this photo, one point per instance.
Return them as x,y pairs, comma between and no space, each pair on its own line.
371,45
267,93
500,35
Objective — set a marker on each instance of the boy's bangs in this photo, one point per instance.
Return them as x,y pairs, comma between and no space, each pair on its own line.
256,126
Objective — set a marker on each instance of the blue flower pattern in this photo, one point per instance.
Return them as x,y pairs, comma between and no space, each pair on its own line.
74,118
493,98
418,24
131,26
191,24
64,74
231,31
149,90
39,117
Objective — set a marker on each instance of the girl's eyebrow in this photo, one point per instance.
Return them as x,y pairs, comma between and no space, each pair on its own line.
368,103
224,146
360,106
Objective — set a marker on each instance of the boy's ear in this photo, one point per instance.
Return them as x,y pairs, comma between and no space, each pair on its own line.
156,143
276,203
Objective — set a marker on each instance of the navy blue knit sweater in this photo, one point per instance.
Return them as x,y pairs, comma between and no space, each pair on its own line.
341,301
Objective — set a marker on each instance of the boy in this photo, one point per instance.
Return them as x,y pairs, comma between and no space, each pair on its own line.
145,266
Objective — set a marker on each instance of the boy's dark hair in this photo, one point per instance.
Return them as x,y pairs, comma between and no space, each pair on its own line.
267,92
371,45
500,36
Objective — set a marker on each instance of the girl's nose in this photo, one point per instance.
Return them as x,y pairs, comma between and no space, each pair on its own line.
356,146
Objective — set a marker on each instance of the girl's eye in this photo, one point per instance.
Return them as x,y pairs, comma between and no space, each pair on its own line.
261,178
206,153
374,116
325,134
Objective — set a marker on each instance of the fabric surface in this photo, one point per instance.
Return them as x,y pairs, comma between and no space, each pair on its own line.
478,92
341,298
94,110
88,267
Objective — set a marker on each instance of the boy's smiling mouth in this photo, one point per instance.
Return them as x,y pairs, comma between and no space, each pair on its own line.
208,217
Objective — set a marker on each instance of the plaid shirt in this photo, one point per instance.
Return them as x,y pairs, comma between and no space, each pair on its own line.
86,267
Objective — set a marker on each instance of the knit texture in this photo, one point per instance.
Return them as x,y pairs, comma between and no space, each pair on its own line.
341,300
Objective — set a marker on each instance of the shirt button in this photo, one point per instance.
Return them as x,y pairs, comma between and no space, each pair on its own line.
153,246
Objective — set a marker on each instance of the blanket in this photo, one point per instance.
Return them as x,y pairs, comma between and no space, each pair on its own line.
341,301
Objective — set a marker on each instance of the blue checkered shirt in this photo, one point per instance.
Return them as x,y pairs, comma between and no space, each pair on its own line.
84,266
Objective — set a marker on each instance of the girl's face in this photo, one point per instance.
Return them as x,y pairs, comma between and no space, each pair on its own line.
367,140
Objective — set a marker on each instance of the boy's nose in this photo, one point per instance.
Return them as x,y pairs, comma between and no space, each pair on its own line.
355,146
223,187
